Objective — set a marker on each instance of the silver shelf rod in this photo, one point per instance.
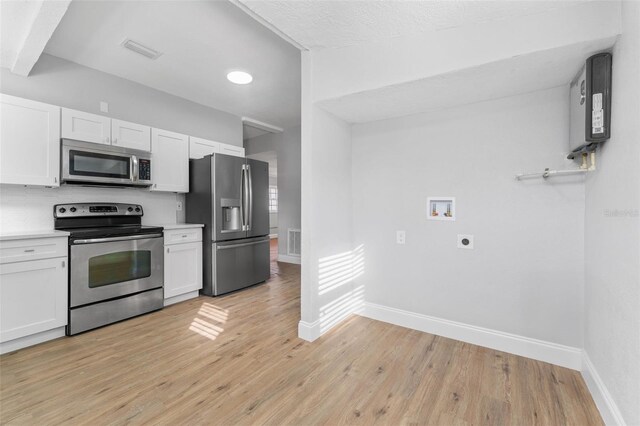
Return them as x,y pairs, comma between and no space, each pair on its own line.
549,173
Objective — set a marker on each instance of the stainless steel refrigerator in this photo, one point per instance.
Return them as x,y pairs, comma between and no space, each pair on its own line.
230,195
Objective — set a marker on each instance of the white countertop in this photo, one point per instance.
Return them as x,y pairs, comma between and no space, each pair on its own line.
169,226
23,235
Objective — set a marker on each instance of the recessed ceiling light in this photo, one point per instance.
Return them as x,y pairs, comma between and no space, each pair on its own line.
239,77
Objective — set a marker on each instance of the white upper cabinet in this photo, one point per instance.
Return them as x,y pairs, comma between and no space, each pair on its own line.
231,150
86,127
130,135
199,148
29,142
170,161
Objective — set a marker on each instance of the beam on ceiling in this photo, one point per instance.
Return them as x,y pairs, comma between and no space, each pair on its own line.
246,9
44,24
261,125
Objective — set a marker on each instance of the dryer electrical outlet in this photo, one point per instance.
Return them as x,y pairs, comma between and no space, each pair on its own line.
465,241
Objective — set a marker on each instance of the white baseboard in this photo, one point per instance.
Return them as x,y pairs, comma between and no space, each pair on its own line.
34,339
181,298
564,356
289,259
309,331
601,396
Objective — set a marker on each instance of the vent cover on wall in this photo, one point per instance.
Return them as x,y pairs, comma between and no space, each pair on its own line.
293,242
140,49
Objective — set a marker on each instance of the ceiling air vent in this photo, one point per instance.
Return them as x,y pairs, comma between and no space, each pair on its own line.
140,49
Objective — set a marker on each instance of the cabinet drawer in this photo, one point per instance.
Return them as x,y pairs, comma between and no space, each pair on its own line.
32,249
176,236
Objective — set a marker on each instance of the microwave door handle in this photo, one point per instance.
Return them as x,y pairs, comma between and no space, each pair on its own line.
134,167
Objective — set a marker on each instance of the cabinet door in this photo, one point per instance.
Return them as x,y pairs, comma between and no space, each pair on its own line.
33,297
130,135
182,268
170,161
199,148
231,150
29,142
86,127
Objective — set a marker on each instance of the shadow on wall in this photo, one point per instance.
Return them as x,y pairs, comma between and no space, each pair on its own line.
336,274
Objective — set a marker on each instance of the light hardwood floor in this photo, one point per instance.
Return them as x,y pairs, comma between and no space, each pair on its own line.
236,360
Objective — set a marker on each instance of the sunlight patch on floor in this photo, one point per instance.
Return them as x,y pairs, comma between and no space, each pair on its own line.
210,326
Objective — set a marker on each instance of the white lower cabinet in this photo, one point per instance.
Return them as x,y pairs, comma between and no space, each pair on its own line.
33,296
182,264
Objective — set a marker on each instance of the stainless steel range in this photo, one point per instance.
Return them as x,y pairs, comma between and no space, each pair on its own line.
115,264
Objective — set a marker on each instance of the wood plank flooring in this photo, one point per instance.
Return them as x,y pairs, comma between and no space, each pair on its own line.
237,360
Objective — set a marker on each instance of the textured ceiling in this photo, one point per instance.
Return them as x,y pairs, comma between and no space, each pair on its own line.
201,42
526,73
328,24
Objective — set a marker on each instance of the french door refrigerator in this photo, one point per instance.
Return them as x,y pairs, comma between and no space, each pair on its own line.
230,195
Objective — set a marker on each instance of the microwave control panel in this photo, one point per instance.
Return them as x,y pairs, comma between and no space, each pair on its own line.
144,170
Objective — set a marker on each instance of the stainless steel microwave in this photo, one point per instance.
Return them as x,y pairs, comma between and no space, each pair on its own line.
95,164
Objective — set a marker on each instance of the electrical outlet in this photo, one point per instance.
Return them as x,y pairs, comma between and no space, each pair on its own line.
104,106
465,241
400,237
179,206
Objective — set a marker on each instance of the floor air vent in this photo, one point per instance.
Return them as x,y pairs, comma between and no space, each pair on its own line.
293,242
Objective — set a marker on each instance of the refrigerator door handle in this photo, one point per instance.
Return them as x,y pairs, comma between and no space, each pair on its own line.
250,187
242,200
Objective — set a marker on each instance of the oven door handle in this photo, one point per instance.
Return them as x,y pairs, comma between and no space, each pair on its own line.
110,239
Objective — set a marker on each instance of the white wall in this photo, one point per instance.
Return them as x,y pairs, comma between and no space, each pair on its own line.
328,254
60,82
612,242
525,274
64,83
287,147
27,209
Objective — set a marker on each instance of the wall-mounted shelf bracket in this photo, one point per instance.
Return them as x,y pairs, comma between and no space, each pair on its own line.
588,164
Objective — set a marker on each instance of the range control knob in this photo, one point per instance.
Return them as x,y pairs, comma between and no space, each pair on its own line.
72,209
129,209
62,210
138,209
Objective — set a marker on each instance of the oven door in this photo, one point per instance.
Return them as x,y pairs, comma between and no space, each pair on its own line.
107,268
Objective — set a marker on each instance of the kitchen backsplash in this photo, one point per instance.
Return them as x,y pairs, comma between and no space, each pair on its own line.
24,209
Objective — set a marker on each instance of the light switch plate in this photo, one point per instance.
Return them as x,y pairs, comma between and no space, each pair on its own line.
104,106
465,241
400,237
179,206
